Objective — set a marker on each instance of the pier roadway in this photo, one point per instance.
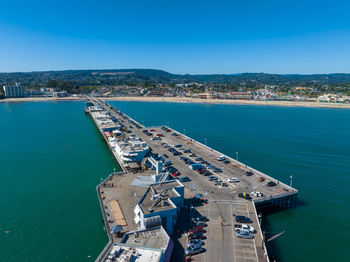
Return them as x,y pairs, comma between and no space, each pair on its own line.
220,232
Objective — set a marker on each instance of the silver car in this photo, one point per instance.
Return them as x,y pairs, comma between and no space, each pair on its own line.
244,234
192,250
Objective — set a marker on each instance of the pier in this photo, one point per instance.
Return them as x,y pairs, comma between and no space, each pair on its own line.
124,200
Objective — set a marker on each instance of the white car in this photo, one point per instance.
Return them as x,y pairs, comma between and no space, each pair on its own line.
257,194
244,228
222,158
233,180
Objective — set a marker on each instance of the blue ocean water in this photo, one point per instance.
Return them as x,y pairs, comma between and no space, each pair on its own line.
52,157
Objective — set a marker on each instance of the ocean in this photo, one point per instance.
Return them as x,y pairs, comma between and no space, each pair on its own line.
52,157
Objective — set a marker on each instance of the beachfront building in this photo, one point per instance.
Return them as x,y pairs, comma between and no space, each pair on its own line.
152,244
161,203
14,91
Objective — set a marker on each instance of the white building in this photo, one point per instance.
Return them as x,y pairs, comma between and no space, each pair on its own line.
162,200
13,91
152,244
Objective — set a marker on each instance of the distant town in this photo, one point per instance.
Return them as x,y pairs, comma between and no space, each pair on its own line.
333,88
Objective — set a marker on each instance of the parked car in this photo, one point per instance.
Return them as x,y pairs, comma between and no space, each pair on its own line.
201,218
174,134
244,227
261,179
201,230
199,223
233,180
207,173
184,179
201,171
221,158
243,219
217,182
249,173
217,170
192,250
168,163
271,184
227,161
257,194
244,195
176,173
194,242
196,235
212,178
197,227
244,234
165,155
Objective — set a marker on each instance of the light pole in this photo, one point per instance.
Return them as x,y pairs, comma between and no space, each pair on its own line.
205,141
237,156
191,212
184,131
291,181
135,198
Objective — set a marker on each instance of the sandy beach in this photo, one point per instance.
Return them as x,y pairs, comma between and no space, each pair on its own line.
185,100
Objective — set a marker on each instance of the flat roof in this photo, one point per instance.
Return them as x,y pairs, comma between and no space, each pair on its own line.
151,238
122,253
162,203
140,245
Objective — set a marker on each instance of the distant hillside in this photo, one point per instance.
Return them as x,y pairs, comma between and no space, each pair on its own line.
151,76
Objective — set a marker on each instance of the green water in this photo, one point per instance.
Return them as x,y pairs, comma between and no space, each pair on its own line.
52,157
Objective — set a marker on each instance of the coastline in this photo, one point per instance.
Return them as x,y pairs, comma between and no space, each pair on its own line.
186,100
40,99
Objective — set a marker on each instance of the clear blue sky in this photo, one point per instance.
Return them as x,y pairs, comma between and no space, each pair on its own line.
273,36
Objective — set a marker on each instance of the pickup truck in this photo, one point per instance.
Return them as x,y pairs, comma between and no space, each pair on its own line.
244,227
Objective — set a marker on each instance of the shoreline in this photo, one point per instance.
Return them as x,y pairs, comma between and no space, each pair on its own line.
186,100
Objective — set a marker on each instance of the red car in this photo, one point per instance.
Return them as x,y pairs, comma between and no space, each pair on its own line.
177,173
198,228
193,230
152,130
160,135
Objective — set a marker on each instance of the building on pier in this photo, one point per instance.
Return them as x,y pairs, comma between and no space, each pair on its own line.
152,244
163,200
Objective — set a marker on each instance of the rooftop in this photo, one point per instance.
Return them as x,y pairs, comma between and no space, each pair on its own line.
139,246
151,238
121,253
157,196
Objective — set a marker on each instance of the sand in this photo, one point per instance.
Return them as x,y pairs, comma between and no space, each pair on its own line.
186,100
